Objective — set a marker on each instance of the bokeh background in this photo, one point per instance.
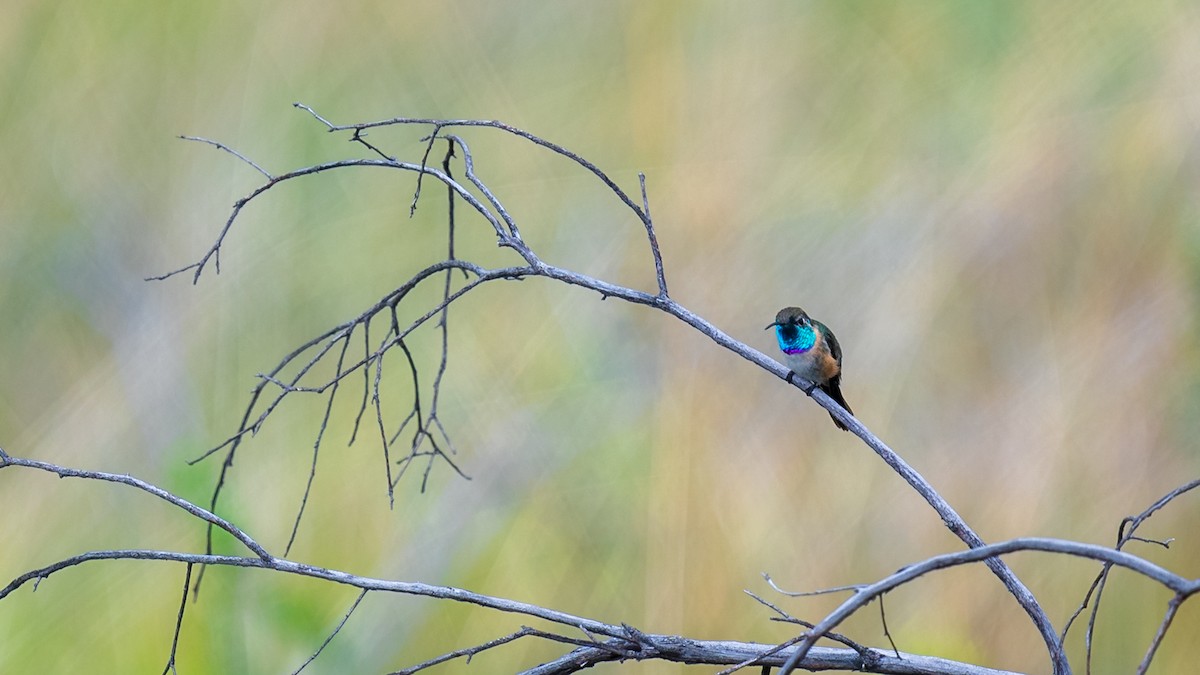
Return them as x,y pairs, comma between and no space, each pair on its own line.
994,205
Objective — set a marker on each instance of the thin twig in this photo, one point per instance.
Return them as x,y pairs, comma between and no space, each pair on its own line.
197,268
495,124
312,469
467,652
231,151
1172,581
387,459
187,580
887,633
469,170
433,136
788,618
336,630
1125,534
1172,608
806,594
654,251
196,511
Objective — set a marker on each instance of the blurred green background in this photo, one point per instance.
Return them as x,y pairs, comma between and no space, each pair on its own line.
993,204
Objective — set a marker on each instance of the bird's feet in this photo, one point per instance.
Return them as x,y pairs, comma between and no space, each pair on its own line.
791,379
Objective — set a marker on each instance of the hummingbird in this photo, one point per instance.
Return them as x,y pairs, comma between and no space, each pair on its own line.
812,352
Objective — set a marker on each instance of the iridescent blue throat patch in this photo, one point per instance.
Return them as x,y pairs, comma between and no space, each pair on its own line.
795,339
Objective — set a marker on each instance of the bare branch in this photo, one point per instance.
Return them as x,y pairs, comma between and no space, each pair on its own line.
788,618
949,516
312,469
441,124
649,223
525,631
506,229
1125,534
312,112
231,151
375,400
1180,585
213,252
336,630
212,519
1172,609
187,580
469,168
324,344
738,654
624,641
433,136
806,594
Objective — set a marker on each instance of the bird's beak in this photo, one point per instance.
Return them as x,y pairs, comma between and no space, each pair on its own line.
771,325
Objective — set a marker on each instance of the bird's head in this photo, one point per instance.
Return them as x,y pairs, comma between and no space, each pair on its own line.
793,330
790,317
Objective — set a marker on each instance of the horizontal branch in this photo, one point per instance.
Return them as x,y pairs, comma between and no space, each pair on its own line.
627,641
729,653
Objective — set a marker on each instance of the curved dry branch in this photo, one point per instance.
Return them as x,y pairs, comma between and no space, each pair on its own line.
214,252
1126,532
507,232
643,213
1181,586
438,124
209,517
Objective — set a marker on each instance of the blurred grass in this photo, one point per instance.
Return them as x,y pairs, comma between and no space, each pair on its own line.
992,203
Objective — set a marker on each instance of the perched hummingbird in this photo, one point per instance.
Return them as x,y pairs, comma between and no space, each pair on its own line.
812,352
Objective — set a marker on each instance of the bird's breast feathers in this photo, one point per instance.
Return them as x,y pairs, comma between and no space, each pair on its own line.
815,364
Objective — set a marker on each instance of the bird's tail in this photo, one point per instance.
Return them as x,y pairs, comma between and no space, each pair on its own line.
835,392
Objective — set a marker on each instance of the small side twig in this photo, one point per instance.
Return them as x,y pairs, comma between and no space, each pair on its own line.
231,151
467,652
312,468
863,650
1172,609
187,580
654,250
207,516
1125,534
433,136
336,630
1173,582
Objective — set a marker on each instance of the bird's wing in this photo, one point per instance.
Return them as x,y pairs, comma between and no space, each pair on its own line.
834,348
